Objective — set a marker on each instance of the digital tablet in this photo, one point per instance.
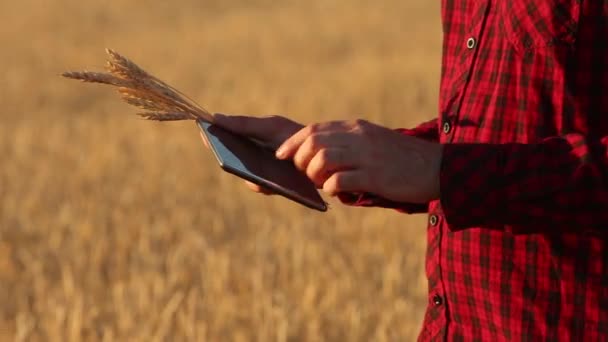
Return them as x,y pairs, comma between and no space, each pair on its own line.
249,160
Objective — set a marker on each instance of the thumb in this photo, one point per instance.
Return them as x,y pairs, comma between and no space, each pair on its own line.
250,126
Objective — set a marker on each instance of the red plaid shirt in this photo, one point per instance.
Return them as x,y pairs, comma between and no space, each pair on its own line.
517,244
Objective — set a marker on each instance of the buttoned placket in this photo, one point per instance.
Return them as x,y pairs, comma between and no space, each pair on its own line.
469,55
438,298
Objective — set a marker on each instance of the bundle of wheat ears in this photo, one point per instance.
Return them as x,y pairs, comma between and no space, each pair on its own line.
138,88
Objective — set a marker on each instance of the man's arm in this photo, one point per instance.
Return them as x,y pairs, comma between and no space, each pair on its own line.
391,164
560,184
428,131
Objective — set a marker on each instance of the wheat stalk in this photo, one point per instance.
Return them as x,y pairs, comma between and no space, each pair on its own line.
98,77
140,89
164,116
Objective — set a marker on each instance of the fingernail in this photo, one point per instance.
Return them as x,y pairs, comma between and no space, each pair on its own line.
281,152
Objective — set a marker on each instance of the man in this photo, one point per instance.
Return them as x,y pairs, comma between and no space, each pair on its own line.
513,172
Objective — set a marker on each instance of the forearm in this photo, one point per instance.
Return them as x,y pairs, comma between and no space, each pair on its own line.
557,184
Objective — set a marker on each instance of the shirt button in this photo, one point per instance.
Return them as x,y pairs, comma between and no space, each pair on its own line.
447,127
433,219
471,43
437,300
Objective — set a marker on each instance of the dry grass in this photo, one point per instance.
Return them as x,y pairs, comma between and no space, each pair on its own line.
113,228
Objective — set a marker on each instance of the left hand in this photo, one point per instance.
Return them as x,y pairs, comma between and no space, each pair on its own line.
358,156
273,130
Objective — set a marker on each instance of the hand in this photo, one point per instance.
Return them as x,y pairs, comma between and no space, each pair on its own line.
358,156
272,130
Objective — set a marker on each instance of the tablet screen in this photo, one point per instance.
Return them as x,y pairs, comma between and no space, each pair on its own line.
248,160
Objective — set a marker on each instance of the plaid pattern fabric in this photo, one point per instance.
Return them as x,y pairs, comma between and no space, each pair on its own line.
517,244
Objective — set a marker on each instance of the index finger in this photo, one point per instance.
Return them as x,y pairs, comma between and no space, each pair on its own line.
292,144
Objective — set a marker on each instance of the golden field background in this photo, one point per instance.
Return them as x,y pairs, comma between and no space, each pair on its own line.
115,228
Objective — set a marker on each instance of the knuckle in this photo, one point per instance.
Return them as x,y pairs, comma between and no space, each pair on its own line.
338,181
314,141
330,185
361,125
313,128
318,171
324,157
355,125
361,122
334,182
298,161
344,182
313,173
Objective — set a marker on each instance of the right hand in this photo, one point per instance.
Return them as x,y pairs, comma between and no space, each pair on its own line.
272,130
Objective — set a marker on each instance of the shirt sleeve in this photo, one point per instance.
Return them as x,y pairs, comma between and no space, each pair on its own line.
559,184
428,131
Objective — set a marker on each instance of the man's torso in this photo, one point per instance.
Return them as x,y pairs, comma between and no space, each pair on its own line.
519,71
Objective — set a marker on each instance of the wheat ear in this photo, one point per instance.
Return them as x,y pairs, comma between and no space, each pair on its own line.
139,88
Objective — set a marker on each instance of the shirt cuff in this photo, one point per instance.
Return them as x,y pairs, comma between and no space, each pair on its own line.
557,184
370,200
469,179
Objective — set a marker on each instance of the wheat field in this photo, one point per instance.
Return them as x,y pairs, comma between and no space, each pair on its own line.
117,228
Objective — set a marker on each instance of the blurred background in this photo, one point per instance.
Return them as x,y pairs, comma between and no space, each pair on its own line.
115,228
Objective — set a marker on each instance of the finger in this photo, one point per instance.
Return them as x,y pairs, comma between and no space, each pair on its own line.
204,139
259,189
328,161
346,181
269,128
246,125
315,142
292,144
